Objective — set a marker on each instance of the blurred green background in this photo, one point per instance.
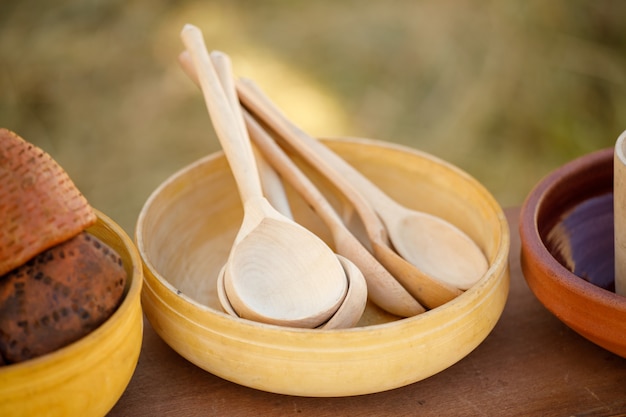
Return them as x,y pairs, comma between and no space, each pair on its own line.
506,90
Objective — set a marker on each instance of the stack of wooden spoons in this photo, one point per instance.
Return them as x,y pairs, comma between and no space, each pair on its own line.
277,271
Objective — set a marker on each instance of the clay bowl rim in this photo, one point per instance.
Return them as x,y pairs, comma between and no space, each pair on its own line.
72,351
534,247
459,303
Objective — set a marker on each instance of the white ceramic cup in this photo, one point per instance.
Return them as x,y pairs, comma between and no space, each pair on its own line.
619,209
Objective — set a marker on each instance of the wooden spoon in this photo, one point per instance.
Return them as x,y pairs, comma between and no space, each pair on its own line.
277,271
353,305
430,291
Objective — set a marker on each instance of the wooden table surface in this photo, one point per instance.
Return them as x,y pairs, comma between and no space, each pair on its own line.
530,365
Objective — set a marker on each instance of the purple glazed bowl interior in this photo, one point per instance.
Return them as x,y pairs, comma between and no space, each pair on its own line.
575,219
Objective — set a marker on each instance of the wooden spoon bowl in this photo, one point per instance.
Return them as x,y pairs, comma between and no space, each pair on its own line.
347,315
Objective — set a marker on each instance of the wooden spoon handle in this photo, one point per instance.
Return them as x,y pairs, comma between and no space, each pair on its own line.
270,180
279,159
232,137
273,188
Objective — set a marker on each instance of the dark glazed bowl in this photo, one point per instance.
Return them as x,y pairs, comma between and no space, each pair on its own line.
566,230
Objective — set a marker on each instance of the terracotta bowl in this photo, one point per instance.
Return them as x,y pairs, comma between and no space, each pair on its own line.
185,231
566,230
87,377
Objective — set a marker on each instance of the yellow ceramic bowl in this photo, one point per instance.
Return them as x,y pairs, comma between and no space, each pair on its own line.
184,234
87,377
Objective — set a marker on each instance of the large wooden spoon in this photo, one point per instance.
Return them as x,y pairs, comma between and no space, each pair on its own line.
277,271
351,309
353,305
430,290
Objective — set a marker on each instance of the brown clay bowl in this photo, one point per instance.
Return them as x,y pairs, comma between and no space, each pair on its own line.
87,377
566,230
